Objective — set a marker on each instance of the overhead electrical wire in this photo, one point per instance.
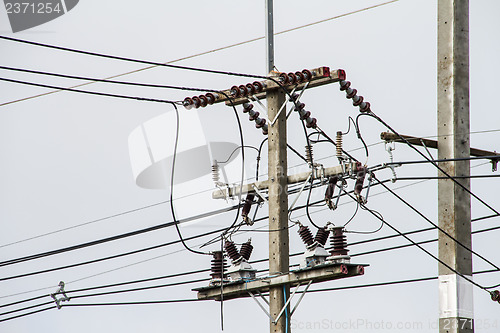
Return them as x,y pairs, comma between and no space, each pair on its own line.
202,53
145,99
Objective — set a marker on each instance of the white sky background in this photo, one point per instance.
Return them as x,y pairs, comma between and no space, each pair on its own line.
65,157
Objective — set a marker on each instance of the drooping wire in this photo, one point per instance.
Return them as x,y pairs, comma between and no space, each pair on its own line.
172,175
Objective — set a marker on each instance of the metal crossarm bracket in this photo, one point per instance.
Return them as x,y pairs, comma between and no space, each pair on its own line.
62,292
319,273
274,321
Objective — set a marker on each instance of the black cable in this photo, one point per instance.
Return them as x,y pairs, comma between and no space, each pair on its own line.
130,59
190,300
386,283
29,313
88,92
172,175
358,133
104,80
421,248
470,158
435,225
373,115
235,149
307,207
296,152
106,258
353,215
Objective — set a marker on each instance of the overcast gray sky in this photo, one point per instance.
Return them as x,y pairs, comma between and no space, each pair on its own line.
65,156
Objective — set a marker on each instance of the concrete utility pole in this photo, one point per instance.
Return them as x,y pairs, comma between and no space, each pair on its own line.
455,293
278,196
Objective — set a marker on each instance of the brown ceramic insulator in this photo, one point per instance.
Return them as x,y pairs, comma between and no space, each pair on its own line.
218,265
364,107
197,102
284,78
356,101
322,236
253,115
338,242
311,122
292,78
350,93
203,100
258,86
306,235
211,98
300,77
344,85
231,250
235,91
243,90
188,103
247,107
247,205
251,88
307,74
260,122
246,250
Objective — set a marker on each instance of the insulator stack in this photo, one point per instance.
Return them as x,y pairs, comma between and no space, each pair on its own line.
232,251
305,115
294,78
352,94
246,249
248,89
218,265
322,236
309,154
199,101
254,116
338,241
215,172
338,143
306,235
247,205
360,178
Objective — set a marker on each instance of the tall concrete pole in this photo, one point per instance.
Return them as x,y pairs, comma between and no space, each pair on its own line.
278,196
455,293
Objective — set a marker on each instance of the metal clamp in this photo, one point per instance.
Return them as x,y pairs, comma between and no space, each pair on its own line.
61,299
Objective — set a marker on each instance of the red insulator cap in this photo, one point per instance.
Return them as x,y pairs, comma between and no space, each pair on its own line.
341,74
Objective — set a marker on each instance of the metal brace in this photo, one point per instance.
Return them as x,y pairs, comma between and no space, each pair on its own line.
282,107
389,147
259,193
275,321
298,98
62,292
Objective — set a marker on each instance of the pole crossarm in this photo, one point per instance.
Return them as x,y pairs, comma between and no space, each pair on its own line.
234,190
320,273
240,94
391,137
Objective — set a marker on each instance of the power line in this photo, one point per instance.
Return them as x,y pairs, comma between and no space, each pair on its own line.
146,99
136,84
436,226
210,51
